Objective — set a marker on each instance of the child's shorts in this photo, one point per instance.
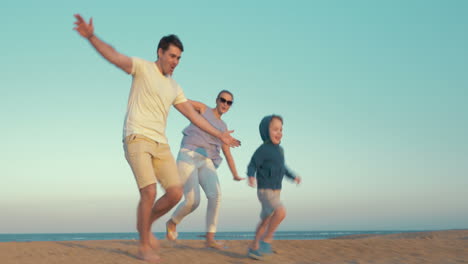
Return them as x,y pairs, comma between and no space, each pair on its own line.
270,200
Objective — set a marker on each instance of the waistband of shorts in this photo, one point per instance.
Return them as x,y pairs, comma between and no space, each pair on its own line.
138,136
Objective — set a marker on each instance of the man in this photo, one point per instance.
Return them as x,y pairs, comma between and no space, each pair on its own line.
146,150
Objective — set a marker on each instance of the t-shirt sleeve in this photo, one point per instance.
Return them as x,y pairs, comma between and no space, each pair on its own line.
137,65
180,98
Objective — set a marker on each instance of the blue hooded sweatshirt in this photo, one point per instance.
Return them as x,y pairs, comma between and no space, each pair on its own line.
267,163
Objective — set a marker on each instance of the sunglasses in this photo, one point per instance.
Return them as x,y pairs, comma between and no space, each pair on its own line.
222,100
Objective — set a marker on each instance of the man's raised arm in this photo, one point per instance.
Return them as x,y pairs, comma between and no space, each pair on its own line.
188,111
86,30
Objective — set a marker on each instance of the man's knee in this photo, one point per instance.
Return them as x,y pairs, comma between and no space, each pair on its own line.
175,193
148,193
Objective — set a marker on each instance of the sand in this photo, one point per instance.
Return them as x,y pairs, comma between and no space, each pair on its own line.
441,247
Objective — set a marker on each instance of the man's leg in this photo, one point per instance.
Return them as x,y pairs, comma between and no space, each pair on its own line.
138,154
165,170
166,202
145,248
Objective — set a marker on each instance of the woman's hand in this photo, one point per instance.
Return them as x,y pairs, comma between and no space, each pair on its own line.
237,178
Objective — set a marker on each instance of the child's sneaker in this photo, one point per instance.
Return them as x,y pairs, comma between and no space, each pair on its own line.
255,254
265,248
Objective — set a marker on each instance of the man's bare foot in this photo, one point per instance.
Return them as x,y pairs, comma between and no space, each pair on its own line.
154,242
214,244
171,232
148,255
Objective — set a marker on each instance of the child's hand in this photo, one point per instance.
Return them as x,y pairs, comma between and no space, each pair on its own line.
298,180
252,182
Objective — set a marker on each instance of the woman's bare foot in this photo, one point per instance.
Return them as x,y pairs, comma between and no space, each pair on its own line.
211,242
214,244
171,230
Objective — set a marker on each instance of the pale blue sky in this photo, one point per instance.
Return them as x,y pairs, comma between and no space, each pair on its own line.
373,94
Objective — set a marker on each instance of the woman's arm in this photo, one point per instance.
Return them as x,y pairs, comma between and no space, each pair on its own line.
230,161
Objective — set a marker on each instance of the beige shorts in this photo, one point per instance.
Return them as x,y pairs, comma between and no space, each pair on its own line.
270,201
151,161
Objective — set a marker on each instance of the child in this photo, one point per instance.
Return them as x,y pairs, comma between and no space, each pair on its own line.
268,165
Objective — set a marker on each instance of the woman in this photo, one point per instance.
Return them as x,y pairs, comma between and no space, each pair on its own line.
198,159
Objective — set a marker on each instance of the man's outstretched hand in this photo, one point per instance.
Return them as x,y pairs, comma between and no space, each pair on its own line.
229,140
86,30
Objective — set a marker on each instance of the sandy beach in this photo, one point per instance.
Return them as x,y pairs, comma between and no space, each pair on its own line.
422,247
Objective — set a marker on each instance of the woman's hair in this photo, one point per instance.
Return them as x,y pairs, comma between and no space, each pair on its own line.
224,91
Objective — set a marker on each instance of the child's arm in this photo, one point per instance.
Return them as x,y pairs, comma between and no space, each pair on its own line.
289,173
252,182
255,162
298,179
251,172
294,177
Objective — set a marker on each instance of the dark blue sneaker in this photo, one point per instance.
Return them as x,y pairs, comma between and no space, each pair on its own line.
255,254
265,248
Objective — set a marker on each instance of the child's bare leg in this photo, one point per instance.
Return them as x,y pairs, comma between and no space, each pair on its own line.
262,226
274,220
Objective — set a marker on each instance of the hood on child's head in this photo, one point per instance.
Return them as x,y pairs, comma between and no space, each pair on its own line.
265,127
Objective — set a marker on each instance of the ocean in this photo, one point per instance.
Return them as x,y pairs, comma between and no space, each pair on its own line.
280,235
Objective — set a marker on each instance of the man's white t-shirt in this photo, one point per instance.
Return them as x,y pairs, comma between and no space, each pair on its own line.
151,97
